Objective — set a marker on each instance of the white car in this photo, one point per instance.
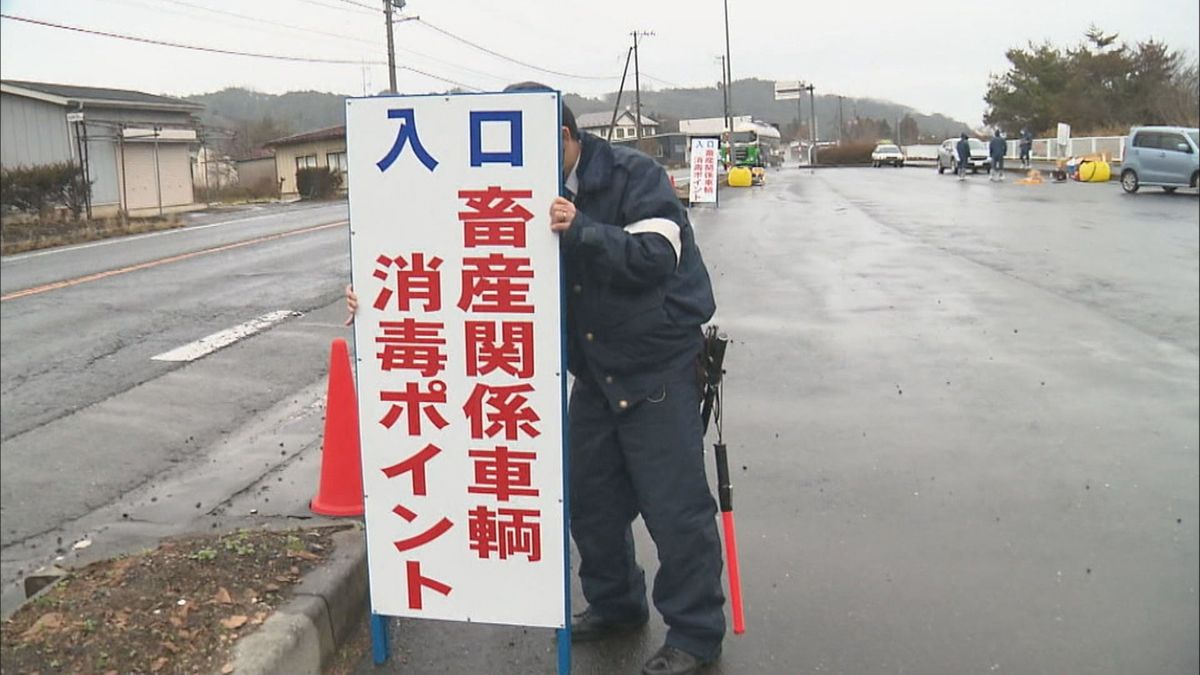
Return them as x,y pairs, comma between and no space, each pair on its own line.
886,153
948,156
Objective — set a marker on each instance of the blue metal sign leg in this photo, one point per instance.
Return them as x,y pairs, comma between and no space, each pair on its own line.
564,651
380,650
564,633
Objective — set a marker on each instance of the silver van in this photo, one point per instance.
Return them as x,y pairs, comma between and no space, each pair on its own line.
1166,157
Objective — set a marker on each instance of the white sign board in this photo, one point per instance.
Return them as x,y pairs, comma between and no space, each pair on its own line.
1064,133
786,91
714,126
703,186
459,356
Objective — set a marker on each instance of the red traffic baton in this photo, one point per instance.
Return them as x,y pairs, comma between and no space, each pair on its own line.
715,343
725,499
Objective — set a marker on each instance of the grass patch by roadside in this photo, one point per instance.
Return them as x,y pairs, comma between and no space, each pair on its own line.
180,607
19,237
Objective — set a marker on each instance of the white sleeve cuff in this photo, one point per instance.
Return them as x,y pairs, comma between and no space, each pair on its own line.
661,226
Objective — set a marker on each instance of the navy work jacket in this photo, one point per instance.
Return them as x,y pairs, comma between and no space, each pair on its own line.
964,150
997,147
637,289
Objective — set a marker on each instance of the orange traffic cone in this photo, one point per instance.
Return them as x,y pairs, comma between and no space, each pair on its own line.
340,492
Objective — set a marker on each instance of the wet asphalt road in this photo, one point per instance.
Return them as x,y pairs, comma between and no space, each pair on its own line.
94,430
963,424
962,416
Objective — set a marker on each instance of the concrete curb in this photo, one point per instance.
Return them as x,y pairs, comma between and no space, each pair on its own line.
301,637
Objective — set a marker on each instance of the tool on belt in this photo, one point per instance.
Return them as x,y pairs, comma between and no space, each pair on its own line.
713,360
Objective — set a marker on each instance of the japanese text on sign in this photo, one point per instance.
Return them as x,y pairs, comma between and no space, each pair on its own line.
703,186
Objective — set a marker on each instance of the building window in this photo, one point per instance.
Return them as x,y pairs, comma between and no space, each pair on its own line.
336,161
306,162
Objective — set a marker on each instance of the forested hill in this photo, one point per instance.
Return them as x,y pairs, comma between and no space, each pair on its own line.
255,117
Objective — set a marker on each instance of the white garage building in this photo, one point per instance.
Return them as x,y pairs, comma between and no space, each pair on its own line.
134,146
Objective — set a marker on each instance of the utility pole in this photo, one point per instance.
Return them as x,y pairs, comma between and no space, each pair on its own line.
388,6
724,89
391,45
841,121
725,101
812,124
799,114
728,84
637,83
812,109
204,156
617,105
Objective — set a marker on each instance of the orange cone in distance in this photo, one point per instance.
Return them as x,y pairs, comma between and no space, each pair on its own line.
340,492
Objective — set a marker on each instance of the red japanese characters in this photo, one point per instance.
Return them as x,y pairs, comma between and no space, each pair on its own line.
413,350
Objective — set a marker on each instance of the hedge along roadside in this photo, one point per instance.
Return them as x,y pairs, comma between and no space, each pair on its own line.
39,189
318,182
847,153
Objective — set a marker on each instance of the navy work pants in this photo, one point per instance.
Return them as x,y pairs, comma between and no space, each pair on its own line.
647,460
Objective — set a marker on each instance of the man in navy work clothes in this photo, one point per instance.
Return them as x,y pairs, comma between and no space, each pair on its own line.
637,294
963,148
996,148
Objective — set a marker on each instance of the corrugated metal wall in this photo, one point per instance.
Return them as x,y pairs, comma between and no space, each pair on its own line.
33,132
102,165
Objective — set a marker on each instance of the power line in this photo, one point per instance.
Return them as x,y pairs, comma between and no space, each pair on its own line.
659,79
339,7
509,58
163,43
258,21
480,47
372,43
359,4
230,52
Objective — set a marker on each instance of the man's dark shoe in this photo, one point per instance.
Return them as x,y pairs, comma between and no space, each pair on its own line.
588,626
669,660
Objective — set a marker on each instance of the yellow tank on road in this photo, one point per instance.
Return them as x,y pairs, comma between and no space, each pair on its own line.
1094,171
740,176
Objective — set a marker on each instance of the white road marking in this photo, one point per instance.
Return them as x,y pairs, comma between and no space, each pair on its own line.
118,240
207,345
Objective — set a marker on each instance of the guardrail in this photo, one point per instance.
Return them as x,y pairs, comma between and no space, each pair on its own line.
929,152
1044,149
1048,148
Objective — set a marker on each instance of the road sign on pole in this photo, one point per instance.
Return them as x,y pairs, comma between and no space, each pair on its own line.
1064,136
702,188
786,91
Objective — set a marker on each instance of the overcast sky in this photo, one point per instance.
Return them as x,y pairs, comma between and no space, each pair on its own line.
933,55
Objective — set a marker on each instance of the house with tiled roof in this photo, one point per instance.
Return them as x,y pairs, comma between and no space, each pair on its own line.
316,148
597,124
